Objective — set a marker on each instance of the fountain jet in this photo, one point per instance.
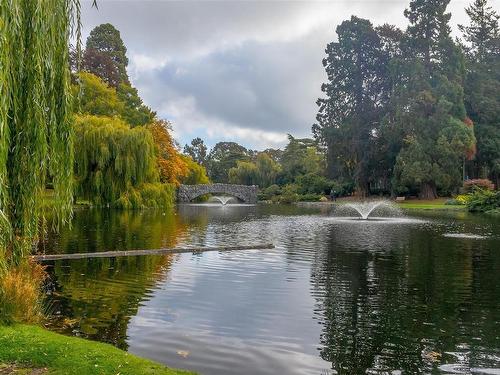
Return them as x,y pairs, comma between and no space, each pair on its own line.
364,209
223,199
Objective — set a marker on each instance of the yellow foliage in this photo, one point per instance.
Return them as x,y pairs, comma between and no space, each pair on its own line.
197,174
20,294
462,198
171,165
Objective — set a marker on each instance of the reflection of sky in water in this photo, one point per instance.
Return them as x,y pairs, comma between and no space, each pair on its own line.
382,296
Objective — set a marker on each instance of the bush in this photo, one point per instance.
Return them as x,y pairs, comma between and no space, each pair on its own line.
313,184
269,192
484,184
459,200
20,294
289,194
310,197
483,200
155,195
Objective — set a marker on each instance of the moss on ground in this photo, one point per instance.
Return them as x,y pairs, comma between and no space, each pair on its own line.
34,348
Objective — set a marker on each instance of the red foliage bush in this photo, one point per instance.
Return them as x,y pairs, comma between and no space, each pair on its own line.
481,183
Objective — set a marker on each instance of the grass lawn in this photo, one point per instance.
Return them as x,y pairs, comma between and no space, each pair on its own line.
27,346
433,204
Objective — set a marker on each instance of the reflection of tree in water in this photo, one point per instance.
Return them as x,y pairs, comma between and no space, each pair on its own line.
95,298
394,303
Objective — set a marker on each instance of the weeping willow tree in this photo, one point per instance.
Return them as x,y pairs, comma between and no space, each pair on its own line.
112,159
35,119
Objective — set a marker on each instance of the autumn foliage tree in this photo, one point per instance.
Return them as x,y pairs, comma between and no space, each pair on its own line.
171,166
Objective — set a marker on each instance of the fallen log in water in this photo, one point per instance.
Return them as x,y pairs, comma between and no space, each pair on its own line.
128,253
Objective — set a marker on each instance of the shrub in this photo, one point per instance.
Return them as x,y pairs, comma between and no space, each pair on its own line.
310,197
289,194
459,200
20,294
313,184
269,192
471,185
462,199
149,195
483,200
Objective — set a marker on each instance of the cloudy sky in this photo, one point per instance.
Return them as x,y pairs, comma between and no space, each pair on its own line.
245,71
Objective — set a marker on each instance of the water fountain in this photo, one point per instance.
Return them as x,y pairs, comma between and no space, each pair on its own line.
366,209
222,199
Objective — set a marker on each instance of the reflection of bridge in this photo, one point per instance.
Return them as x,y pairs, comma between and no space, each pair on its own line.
247,194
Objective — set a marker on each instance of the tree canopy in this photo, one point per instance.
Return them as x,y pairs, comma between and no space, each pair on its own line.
394,116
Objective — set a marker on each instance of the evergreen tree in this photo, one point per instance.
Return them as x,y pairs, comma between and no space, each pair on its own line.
431,108
483,32
355,94
428,29
482,86
105,56
105,43
197,150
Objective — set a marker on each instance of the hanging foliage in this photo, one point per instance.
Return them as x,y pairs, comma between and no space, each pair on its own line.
35,124
171,165
111,158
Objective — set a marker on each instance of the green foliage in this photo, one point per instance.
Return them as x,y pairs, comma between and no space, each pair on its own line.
481,200
268,169
112,158
197,174
148,195
105,85
288,194
356,66
245,173
35,119
483,32
482,86
94,97
134,112
197,151
393,117
223,157
269,192
313,184
301,156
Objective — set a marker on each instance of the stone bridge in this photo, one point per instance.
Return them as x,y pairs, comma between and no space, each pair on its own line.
246,193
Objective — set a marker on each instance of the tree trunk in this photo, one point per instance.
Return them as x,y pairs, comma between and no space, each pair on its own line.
428,191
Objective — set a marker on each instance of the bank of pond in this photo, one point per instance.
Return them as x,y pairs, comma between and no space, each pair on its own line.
32,349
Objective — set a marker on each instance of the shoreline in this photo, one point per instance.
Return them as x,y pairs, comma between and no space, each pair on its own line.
41,351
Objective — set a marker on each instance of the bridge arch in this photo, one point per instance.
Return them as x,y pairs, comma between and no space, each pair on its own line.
246,193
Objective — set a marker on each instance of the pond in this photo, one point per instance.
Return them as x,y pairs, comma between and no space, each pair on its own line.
417,295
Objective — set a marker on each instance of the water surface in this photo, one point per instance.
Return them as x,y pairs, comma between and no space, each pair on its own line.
409,296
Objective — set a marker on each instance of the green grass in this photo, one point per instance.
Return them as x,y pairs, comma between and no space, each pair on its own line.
435,204
32,346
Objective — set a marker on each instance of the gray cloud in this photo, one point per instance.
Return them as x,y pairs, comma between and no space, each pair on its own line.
248,71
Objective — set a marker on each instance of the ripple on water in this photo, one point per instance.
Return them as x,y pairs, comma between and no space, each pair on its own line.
465,235
361,296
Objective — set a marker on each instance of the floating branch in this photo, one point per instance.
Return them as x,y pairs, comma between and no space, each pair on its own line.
128,253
